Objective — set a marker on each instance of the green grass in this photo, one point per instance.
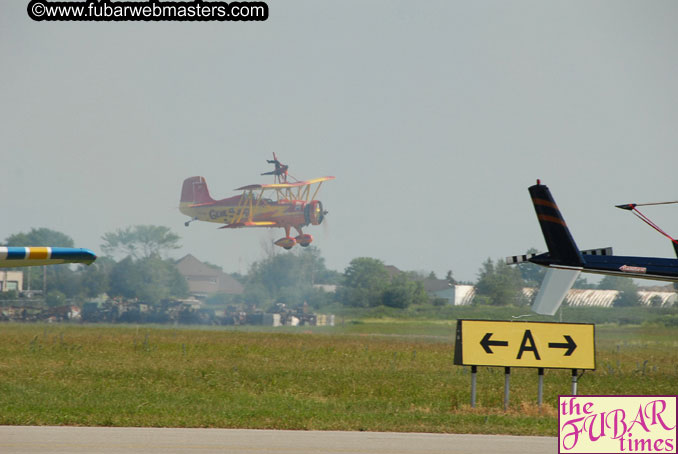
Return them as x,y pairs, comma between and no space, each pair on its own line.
376,375
619,315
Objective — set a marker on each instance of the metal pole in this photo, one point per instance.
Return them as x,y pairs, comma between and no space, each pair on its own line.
574,382
474,371
540,388
507,379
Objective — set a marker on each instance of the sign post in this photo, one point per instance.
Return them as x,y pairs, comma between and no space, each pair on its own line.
507,382
541,345
474,372
540,386
574,382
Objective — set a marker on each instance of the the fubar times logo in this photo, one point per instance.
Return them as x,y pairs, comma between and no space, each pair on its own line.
617,424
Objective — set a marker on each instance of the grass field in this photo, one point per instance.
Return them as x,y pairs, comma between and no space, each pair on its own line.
374,375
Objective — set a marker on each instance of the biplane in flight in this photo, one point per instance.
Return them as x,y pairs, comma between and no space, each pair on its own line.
283,204
565,261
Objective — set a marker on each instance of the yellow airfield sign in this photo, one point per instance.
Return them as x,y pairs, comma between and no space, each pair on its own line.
525,344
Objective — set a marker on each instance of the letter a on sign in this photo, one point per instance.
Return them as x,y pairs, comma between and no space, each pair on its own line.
525,348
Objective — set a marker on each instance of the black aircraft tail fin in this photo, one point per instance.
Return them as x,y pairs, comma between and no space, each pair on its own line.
562,248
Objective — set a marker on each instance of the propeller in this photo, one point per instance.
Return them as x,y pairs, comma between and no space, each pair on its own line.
321,213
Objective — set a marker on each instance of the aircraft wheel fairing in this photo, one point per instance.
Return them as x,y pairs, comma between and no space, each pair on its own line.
286,242
304,240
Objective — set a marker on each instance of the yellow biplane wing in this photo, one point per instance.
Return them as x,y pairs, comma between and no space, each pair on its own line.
235,225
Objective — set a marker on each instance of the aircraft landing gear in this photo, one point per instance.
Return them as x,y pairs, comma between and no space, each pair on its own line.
187,223
286,242
304,239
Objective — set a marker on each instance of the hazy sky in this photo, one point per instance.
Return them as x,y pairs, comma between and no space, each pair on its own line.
434,116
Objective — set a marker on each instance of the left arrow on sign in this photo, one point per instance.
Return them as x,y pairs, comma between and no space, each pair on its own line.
569,345
486,343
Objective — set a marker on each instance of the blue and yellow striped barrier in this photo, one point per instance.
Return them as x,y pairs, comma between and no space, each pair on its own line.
33,256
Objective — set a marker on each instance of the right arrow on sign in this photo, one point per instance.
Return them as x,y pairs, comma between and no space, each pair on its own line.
487,343
569,345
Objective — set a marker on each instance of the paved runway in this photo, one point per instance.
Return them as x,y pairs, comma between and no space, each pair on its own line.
114,440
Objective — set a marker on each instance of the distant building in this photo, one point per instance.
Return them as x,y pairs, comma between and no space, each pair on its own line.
591,297
392,271
439,288
577,297
658,298
204,280
328,288
11,280
463,294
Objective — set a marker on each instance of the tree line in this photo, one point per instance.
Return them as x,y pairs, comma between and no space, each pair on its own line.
135,266
142,273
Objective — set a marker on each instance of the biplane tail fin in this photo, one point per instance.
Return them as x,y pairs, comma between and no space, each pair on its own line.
562,248
195,191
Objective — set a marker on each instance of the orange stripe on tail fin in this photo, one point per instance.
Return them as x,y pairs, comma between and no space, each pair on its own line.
562,248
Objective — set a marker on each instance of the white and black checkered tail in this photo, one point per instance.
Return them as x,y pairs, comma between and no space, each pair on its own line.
602,251
516,259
